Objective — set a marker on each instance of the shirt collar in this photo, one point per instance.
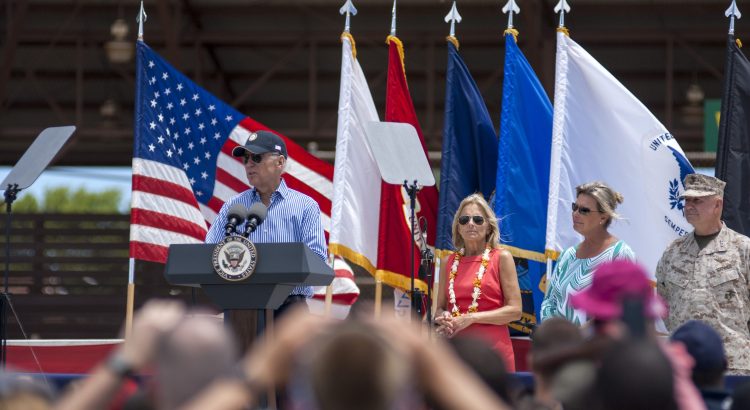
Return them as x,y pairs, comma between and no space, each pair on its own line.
282,190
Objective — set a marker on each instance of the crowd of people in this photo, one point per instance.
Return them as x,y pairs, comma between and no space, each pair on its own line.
183,359
596,346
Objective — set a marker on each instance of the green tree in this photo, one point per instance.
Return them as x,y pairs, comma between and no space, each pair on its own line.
63,200
26,205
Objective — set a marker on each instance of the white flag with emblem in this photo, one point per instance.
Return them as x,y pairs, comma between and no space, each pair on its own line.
355,211
601,132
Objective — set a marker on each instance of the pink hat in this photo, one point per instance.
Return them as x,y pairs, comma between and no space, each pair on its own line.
613,282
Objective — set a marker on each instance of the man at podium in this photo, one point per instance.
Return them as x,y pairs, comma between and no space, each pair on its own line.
292,216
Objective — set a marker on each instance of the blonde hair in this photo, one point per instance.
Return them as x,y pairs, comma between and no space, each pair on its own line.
606,198
493,236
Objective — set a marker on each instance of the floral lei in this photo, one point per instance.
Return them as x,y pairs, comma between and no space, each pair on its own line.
477,293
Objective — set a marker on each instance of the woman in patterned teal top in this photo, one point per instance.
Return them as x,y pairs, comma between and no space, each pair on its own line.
593,212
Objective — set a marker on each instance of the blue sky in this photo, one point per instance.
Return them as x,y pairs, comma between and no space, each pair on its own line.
95,179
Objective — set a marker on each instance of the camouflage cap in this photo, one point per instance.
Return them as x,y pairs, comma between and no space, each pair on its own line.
697,185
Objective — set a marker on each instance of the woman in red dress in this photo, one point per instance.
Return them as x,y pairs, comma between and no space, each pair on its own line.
479,293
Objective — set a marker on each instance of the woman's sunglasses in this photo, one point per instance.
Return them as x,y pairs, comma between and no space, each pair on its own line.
582,209
478,220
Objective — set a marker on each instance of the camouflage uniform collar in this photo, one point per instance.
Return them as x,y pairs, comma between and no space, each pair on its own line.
719,244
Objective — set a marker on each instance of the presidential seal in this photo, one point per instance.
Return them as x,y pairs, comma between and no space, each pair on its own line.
234,258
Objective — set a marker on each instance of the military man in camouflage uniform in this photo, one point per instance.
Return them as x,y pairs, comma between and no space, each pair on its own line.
705,275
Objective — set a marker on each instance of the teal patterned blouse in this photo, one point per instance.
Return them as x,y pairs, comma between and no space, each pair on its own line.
571,275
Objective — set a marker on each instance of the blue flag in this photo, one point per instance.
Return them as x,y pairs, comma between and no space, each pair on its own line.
469,162
523,174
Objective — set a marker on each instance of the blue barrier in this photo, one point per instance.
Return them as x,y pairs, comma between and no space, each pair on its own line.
525,380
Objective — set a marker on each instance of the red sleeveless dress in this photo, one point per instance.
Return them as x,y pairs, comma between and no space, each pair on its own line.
491,298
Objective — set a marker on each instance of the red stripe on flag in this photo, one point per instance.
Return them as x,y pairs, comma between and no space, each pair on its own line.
228,147
167,223
164,188
230,180
343,273
215,204
340,298
148,252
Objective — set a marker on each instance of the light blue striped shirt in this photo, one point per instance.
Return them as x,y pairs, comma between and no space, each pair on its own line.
292,217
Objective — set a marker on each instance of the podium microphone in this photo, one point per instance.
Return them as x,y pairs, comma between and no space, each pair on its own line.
236,215
255,216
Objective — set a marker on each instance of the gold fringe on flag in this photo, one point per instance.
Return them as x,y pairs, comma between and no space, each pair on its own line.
526,254
552,254
512,31
354,44
453,40
400,48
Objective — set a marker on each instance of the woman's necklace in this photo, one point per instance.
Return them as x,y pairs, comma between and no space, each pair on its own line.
477,293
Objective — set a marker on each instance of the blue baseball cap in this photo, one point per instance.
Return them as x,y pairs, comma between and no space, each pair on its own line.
703,343
260,142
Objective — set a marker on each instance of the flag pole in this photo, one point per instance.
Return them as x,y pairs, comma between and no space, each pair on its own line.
551,254
378,297
130,302
733,13
329,288
453,17
130,299
562,7
349,10
510,9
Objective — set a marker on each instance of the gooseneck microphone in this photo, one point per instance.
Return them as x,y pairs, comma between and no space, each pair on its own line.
236,215
255,216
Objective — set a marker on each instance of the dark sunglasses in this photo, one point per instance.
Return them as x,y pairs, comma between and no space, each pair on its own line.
581,209
478,220
256,158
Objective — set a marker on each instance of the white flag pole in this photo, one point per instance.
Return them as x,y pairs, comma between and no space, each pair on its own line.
130,302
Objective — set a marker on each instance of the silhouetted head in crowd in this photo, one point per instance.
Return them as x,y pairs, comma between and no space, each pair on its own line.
635,375
707,349
614,284
351,367
554,345
551,345
22,393
198,350
486,363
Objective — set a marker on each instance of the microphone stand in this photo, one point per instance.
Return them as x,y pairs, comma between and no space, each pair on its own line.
428,260
10,195
416,295
250,228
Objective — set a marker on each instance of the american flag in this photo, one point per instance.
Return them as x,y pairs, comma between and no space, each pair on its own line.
183,170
